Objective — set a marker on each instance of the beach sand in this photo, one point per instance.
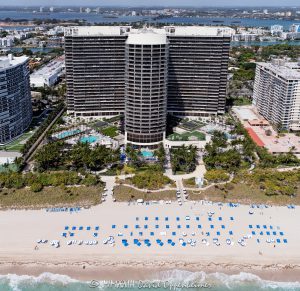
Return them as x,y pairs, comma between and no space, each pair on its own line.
20,229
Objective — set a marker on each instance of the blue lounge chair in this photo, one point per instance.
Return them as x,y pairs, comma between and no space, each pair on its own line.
125,226
172,244
209,219
145,226
74,228
285,240
264,226
183,244
97,228
66,227
281,233
146,218
253,232
137,226
199,226
156,218
140,233
250,226
156,226
261,233
152,233
177,218
197,218
220,218
223,226
64,234
278,241
231,218
88,228
95,234
187,226
113,226
212,226
271,227
166,218
218,233
257,226
167,226
274,232
267,233
230,232
72,234
173,233
178,226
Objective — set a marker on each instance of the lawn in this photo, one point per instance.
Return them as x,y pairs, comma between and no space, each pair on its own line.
50,197
242,193
194,135
111,131
124,193
17,145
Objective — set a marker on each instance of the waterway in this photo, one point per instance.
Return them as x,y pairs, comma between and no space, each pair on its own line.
98,18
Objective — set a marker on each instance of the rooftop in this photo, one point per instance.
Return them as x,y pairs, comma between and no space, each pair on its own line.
149,37
287,70
167,30
51,68
10,61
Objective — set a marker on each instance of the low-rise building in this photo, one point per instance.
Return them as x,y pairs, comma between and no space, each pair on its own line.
49,74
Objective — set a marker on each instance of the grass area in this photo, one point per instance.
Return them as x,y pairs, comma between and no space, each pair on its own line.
194,135
110,131
10,167
243,193
189,183
51,197
124,194
17,144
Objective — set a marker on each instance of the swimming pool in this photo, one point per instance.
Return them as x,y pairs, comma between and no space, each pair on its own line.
67,133
89,139
147,154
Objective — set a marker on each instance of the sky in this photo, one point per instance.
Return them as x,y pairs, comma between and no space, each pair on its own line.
197,3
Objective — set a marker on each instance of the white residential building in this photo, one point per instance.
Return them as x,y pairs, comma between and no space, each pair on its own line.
276,30
49,74
277,93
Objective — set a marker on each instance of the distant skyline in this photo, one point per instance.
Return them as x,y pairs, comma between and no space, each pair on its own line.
195,3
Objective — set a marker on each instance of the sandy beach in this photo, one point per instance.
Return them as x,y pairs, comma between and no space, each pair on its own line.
20,230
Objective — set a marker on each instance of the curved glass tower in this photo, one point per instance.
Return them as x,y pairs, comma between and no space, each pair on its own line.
146,88
15,98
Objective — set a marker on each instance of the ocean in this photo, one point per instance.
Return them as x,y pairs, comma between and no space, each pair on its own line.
98,18
168,280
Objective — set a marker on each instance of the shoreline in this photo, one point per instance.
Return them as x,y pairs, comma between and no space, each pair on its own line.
144,269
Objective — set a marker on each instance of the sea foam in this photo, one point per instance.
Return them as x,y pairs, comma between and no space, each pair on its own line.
217,281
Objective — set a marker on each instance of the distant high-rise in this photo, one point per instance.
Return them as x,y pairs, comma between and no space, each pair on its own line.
15,98
277,93
195,62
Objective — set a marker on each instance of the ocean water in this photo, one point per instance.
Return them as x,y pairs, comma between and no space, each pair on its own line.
169,280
